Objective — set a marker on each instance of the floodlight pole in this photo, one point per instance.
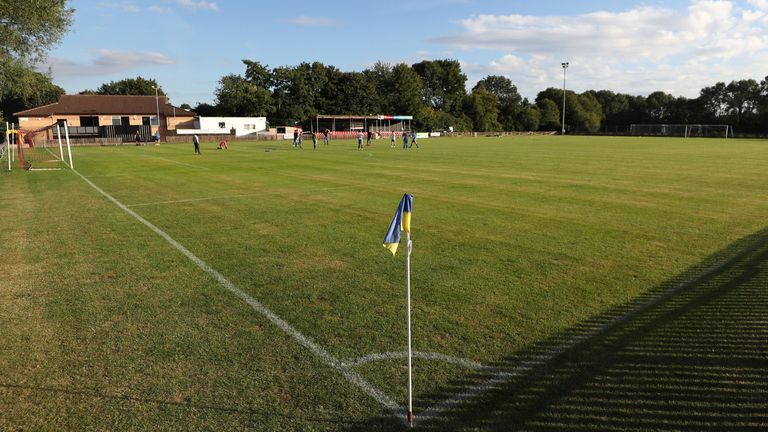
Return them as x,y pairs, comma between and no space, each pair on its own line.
565,66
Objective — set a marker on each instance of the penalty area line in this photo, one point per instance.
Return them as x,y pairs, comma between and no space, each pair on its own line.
283,325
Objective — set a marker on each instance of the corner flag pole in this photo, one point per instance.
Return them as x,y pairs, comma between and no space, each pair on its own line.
408,295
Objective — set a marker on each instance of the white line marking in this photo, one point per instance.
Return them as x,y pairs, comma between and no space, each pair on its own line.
542,358
174,161
232,196
469,364
283,325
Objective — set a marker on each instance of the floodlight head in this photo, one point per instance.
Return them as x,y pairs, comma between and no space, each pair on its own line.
565,64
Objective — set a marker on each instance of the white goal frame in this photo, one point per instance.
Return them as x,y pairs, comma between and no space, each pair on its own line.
682,130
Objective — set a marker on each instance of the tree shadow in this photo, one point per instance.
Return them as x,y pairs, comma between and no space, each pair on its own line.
689,355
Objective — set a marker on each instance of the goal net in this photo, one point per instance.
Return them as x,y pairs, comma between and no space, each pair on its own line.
682,130
42,154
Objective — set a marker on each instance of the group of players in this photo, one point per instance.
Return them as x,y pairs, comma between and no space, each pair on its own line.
297,139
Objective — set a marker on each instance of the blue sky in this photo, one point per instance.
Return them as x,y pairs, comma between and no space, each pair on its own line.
627,46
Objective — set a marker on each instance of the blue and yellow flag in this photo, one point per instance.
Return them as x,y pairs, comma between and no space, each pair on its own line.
401,222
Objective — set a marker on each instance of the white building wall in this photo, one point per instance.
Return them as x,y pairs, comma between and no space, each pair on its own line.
223,125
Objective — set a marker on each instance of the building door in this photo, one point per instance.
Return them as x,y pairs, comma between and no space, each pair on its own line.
125,121
145,121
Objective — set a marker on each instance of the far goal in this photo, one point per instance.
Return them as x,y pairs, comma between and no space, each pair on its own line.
682,130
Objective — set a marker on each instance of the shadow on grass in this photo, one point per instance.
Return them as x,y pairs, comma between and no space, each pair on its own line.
241,416
690,355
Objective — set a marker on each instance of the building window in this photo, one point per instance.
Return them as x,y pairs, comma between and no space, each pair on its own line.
154,121
89,121
222,125
117,121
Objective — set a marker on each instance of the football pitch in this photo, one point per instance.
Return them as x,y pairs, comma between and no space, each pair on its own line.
558,284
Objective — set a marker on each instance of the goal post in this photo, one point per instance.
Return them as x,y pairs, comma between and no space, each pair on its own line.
43,154
682,130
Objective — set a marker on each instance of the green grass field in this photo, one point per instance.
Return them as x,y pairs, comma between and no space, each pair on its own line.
559,283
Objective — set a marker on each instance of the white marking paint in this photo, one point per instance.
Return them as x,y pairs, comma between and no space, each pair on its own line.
542,358
469,364
229,196
174,161
283,325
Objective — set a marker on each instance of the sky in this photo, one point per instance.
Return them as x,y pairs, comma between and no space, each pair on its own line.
634,47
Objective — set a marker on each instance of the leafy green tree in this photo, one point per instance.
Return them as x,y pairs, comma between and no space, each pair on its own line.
484,110
29,28
382,77
615,107
714,100
131,86
26,89
185,106
258,74
443,84
549,115
237,96
588,112
743,100
530,118
356,93
510,101
207,110
658,107
406,90
301,92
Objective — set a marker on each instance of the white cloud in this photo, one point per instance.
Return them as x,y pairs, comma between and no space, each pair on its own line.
105,62
122,6
759,4
159,9
303,20
199,4
635,51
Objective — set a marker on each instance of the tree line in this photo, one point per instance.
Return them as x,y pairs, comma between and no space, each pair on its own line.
433,91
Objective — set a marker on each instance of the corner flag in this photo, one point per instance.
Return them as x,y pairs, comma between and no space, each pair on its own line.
400,222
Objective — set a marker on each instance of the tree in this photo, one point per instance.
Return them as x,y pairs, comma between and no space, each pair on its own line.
258,74
588,113
185,106
743,100
530,118
615,108
238,97
130,86
406,90
714,101
658,107
207,110
443,84
29,28
484,110
549,115
510,101
381,75
356,93
26,89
